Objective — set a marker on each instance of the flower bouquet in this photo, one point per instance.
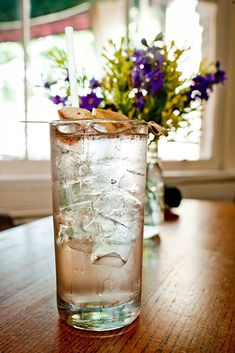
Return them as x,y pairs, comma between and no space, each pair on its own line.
144,83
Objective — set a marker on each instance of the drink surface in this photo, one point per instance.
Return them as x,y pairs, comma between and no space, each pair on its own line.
98,197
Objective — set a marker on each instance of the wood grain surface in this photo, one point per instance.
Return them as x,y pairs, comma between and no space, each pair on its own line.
188,302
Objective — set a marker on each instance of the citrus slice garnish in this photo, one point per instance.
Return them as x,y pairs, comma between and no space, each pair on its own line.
74,113
109,114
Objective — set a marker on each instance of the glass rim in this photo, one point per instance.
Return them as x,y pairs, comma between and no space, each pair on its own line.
99,120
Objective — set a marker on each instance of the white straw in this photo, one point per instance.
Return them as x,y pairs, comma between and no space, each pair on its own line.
72,67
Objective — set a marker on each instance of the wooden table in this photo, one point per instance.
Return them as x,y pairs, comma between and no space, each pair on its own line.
188,290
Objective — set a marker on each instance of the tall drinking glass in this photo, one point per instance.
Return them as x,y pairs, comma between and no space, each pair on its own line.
98,180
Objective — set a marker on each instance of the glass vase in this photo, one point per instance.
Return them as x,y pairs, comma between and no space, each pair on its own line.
154,193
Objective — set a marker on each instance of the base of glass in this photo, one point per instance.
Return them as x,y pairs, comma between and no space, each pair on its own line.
151,231
96,318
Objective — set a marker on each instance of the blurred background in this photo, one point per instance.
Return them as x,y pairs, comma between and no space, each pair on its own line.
201,165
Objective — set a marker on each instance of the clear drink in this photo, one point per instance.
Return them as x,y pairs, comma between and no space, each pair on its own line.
98,178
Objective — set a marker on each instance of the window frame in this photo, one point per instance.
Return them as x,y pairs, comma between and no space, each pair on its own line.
216,161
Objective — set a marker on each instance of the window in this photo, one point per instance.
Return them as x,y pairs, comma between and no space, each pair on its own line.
181,20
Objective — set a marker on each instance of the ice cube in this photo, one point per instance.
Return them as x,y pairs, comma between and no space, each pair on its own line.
84,246
70,129
65,233
90,224
119,206
70,166
115,226
111,260
110,254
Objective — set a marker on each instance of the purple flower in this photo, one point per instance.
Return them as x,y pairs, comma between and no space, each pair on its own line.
142,61
58,100
203,85
158,57
220,75
90,101
47,85
140,72
136,78
138,55
94,83
147,72
156,81
139,101
200,88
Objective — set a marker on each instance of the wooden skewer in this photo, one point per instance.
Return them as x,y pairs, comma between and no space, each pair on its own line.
66,121
34,121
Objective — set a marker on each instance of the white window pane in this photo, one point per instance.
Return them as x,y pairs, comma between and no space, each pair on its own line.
40,68
183,26
39,109
173,151
12,137
38,142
